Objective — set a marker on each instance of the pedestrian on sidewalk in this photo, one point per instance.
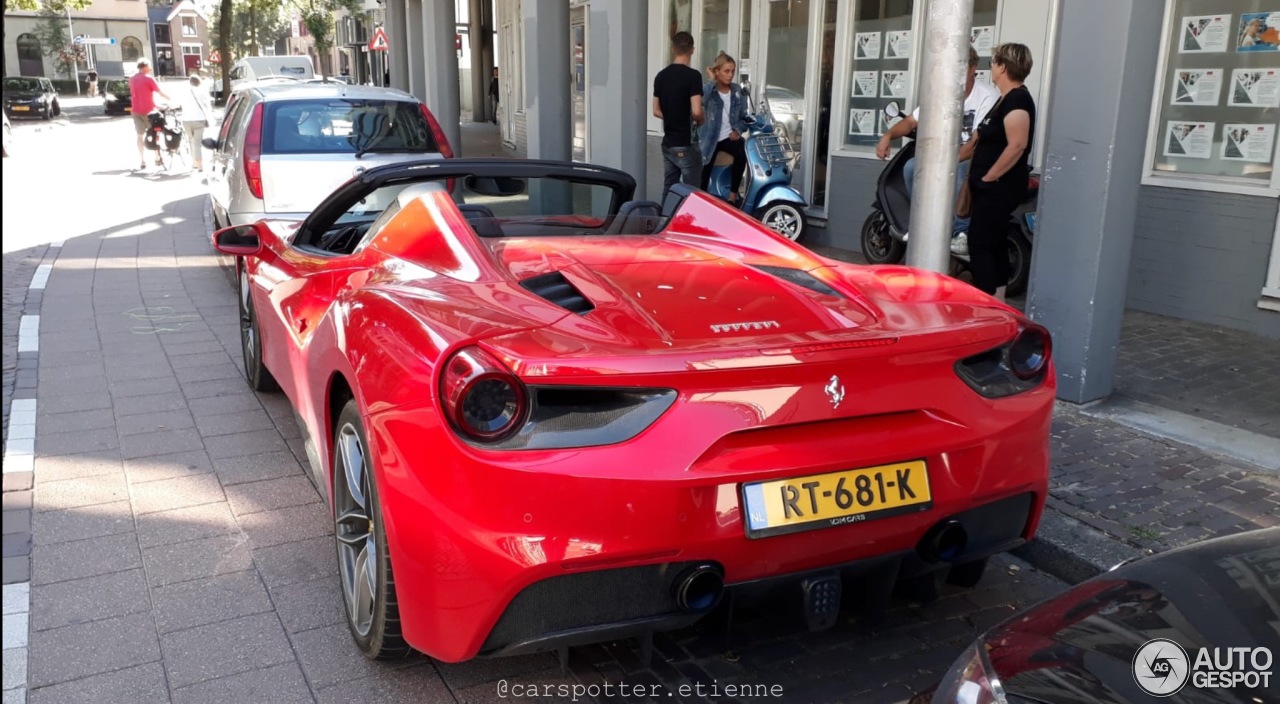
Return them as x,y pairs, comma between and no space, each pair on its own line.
143,90
726,108
493,94
197,114
998,177
677,101
93,83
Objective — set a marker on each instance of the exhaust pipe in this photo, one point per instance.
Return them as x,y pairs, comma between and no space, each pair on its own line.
944,542
699,588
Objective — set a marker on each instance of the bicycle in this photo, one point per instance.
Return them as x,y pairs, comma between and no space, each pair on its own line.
164,136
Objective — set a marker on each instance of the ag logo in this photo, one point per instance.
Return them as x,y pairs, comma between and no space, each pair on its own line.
835,392
1160,667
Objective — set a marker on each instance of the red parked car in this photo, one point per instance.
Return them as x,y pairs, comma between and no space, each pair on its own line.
547,414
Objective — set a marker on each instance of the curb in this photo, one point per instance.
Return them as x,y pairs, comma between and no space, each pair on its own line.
1071,549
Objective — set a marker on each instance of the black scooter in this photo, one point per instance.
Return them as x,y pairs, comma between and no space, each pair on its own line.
884,232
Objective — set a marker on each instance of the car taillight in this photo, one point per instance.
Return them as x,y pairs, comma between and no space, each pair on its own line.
1029,352
441,141
482,399
1018,365
253,152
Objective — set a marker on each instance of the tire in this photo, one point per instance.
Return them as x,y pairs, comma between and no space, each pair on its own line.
255,372
879,246
1019,262
47,114
57,108
783,218
364,564
967,575
163,154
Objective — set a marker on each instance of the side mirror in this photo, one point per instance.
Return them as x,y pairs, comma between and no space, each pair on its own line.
210,143
893,110
496,186
238,240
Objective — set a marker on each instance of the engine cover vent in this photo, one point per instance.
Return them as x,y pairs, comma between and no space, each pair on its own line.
800,278
555,288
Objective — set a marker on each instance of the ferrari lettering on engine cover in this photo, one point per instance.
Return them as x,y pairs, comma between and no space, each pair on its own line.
740,327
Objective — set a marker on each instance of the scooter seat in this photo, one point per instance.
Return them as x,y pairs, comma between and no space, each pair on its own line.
723,159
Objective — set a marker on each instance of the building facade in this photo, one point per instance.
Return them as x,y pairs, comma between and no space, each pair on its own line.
1154,134
125,21
179,38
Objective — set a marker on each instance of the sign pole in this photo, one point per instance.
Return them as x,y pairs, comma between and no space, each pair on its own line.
75,63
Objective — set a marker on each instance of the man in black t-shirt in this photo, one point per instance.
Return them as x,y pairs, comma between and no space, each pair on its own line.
677,101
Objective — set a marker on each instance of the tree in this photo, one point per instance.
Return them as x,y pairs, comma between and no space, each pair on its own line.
317,17
225,14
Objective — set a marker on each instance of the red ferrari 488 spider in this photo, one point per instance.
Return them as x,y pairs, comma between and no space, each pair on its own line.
546,414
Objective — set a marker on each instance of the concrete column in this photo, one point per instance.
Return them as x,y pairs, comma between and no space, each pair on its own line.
1098,117
546,73
488,28
618,90
440,58
416,49
480,109
398,45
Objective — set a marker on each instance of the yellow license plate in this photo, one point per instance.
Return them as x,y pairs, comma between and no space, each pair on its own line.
825,500
20,108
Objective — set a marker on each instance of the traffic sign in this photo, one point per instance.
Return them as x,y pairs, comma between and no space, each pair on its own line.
215,57
379,40
81,39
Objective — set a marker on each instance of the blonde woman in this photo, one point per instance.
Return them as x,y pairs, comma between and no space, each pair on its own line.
725,106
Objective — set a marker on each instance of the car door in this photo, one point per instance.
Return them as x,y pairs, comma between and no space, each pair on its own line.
224,157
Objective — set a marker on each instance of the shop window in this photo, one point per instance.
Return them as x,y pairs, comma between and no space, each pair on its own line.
984,34
679,17
883,48
715,31
1214,113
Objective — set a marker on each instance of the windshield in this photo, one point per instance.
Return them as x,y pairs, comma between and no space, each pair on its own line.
119,88
21,84
345,126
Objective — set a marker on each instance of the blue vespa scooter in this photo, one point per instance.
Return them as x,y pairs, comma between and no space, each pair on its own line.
769,197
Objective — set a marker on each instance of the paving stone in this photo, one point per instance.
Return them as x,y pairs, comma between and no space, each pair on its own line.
201,360
235,423
329,656
64,467
74,402
252,468
84,491
271,494
152,403
185,524
197,559
62,386
73,652
144,387
17,570
84,558
287,525
525,669
242,402
210,372
169,466
244,444
75,421
144,684
280,684
16,630
18,481
417,685
16,545
187,348
155,422
206,601
223,649
77,442
68,525
306,605
291,563
15,668
150,497
17,500
17,521
160,443
89,599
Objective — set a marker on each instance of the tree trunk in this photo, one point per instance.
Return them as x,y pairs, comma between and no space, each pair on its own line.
226,16
253,29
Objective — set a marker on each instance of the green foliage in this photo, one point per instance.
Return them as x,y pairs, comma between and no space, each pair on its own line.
54,6
317,16
255,24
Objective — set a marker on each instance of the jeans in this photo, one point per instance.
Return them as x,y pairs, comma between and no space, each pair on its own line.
962,175
681,165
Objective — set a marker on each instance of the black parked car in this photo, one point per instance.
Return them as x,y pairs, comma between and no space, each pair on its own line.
116,99
1199,624
30,96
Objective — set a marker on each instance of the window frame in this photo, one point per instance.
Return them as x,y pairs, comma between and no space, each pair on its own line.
1194,182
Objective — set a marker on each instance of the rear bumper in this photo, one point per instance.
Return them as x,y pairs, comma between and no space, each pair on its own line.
469,538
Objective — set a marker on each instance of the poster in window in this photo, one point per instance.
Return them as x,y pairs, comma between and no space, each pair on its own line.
862,122
1259,31
895,84
864,83
897,44
1193,140
1205,34
1197,86
1255,88
983,76
1248,142
983,39
867,46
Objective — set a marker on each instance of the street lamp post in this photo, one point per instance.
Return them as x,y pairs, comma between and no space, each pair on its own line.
75,61
946,54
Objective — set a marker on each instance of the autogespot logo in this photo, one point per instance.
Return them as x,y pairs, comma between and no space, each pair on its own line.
1160,667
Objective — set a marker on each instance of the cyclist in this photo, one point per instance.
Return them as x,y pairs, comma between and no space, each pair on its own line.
143,90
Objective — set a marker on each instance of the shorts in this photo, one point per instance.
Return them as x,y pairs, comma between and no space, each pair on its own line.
141,123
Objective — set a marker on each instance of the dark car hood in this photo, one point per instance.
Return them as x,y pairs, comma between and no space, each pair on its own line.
1080,646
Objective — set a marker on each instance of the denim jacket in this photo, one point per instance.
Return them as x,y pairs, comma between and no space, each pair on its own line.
713,107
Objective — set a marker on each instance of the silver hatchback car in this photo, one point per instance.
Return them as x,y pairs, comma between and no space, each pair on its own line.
282,148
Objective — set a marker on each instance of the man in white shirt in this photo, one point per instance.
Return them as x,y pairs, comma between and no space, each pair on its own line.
979,99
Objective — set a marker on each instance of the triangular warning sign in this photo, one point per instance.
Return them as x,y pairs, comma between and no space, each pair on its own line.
215,57
379,40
